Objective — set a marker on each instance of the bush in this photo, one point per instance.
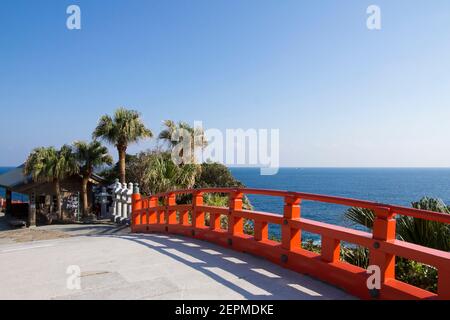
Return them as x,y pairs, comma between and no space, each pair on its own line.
417,274
216,175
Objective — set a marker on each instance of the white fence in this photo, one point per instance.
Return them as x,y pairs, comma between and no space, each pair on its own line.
120,209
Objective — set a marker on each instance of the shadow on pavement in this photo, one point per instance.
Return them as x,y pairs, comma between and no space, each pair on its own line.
4,225
252,277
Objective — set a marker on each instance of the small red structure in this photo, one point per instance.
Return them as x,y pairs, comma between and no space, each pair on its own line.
3,202
149,216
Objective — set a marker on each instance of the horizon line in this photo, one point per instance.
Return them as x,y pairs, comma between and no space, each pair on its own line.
314,167
341,167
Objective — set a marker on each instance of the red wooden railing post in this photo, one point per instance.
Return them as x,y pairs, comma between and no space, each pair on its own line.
152,215
161,213
383,230
214,221
136,206
261,230
198,216
235,224
144,214
290,238
171,215
444,283
184,218
331,249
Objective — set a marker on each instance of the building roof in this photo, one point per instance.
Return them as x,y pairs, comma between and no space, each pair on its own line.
14,178
17,181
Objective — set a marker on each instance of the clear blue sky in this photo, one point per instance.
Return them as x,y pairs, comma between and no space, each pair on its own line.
340,94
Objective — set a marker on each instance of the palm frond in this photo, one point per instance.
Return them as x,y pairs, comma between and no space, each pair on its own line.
361,216
123,128
90,156
427,233
424,232
48,164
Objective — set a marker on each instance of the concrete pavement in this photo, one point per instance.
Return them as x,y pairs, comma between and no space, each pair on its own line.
118,265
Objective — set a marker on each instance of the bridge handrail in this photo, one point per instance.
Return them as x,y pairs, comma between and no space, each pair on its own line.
149,216
412,212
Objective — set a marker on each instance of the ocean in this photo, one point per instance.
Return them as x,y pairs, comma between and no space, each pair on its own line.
5,169
15,196
391,186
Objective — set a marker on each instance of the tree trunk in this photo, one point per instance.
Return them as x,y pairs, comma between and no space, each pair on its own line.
122,153
85,195
58,200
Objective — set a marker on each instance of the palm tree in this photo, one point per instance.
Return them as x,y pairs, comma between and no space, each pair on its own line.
124,128
90,156
51,165
156,172
173,134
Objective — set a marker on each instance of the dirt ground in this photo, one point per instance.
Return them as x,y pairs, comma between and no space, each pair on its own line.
56,231
26,235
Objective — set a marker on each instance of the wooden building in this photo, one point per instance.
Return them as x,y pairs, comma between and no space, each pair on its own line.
42,196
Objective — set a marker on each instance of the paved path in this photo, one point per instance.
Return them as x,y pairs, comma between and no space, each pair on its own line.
118,265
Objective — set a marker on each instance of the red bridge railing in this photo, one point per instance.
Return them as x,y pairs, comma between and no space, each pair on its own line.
149,216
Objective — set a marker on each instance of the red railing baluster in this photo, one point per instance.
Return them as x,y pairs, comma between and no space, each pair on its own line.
159,219
161,216
290,237
383,230
214,221
136,206
235,224
184,218
331,249
444,282
198,216
152,214
171,214
144,213
261,230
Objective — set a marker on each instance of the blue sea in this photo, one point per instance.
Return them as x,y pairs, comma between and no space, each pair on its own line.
4,169
15,196
392,186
